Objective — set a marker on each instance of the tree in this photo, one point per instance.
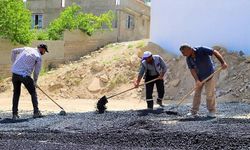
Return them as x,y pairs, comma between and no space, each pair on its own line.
15,21
73,18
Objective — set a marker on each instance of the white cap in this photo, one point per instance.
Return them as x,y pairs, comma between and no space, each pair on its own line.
146,54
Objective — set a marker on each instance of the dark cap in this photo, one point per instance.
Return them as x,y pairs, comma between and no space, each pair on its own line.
43,46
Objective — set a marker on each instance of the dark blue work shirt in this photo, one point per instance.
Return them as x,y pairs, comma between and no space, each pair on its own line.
202,62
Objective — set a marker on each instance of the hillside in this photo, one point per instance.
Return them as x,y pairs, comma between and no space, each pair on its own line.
127,125
113,68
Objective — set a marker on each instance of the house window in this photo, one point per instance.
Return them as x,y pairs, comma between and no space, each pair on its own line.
37,21
130,22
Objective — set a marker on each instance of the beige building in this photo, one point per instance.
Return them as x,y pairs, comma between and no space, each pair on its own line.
132,23
132,16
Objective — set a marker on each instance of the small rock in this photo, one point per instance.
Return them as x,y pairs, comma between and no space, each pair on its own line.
104,78
63,90
94,85
54,86
236,95
241,90
85,57
144,131
96,66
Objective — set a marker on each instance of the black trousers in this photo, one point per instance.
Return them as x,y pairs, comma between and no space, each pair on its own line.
28,82
150,87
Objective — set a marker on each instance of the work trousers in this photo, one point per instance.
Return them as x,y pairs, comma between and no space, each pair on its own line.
210,96
150,88
28,82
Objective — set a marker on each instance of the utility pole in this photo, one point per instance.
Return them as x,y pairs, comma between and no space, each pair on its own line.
25,3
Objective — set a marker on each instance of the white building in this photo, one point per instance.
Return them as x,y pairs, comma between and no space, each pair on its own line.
201,22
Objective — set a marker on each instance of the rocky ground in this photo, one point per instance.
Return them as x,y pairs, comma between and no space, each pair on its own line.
131,129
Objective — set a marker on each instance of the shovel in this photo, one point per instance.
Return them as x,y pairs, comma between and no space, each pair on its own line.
170,112
104,100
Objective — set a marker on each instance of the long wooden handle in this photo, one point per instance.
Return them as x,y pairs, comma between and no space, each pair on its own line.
49,97
205,80
133,88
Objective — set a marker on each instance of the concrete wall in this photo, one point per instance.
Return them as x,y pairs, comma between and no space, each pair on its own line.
78,44
74,45
207,22
5,61
54,57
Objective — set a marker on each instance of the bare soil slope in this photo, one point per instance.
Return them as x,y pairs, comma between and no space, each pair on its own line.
113,68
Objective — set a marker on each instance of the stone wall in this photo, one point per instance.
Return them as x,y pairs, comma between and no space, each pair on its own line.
74,45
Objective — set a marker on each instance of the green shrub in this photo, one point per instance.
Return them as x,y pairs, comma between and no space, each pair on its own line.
130,46
141,44
40,34
15,22
73,18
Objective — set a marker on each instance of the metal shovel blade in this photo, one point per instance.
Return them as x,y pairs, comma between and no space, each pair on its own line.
101,104
171,112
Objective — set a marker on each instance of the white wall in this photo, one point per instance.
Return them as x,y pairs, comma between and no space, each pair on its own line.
201,22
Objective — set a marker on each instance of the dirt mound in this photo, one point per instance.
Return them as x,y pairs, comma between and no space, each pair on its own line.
113,68
233,83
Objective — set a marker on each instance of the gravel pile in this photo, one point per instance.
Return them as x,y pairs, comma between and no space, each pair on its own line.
135,129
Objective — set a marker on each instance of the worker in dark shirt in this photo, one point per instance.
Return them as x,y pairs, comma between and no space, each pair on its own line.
201,66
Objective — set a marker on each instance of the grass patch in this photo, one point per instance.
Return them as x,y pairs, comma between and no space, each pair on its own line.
44,71
118,79
113,60
141,44
130,46
116,58
109,46
106,62
1,79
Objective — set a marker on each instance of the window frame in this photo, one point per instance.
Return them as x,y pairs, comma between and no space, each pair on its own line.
39,24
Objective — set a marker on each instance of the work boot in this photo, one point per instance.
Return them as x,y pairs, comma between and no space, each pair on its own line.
37,115
150,105
159,102
15,117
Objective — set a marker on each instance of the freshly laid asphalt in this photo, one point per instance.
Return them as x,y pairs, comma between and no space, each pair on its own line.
131,129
